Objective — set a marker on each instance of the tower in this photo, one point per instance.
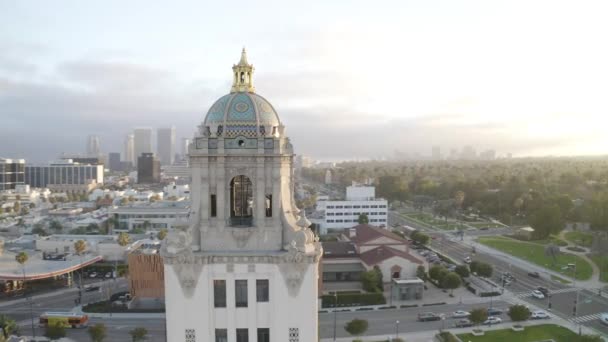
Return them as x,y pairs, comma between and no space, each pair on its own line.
166,145
246,263
93,146
130,149
142,141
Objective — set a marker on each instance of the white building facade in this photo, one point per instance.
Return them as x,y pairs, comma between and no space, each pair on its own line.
345,213
149,216
245,266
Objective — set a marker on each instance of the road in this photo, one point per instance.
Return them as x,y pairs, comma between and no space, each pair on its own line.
563,297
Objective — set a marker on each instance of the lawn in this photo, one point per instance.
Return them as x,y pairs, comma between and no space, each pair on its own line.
485,224
602,263
530,334
535,253
579,238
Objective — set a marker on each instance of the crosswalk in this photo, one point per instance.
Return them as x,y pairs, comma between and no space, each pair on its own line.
553,292
586,318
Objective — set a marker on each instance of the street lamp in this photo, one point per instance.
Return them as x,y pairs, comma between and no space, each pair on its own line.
335,313
397,329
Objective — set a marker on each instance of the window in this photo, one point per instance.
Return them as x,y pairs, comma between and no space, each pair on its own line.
374,206
263,335
294,335
213,205
240,293
330,221
261,290
330,207
221,335
219,293
268,205
242,335
365,206
330,214
241,201
356,206
339,207
348,207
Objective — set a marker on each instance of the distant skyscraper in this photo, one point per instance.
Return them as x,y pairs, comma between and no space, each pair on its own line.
184,151
93,145
148,168
12,173
165,145
129,153
114,161
142,142
468,153
436,153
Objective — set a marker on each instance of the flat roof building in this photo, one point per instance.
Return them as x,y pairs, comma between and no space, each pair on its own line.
12,173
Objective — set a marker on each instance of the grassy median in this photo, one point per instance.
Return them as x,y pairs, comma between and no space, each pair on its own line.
529,334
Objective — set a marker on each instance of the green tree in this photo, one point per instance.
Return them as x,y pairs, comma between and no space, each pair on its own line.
97,332
590,338
356,327
124,239
421,272
484,270
55,226
519,313
451,281
8,326
92,227
363,219
369,281
462,270
379,276
478,315
17,207
547,220
420,238
39,229
138,334
162,234
55,331
79,247
437,273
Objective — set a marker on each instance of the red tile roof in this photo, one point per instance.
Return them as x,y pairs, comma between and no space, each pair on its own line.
367,233
381,253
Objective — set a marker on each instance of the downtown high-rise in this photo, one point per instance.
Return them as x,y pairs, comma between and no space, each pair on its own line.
165,145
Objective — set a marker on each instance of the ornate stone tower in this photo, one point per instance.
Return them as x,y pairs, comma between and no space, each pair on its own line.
246,262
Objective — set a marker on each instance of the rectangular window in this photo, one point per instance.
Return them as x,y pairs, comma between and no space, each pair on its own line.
263,335
221,335
213,205
268,205
240,293
330,221
219,293
242,335
330,207
356,206
261,288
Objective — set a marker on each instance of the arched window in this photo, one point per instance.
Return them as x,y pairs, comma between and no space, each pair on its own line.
241,201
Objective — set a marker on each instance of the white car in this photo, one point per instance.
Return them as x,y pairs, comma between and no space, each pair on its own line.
461,314
604,318
493,320
538,295
92,274
540,314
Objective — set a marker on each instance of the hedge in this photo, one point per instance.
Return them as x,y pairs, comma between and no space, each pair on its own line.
353,299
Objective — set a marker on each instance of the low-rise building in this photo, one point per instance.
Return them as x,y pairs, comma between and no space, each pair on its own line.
146,271
65,176
150,216
12,173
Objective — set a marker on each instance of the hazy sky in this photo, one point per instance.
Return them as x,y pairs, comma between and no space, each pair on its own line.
349,79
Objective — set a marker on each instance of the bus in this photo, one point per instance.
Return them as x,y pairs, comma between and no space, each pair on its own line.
66,319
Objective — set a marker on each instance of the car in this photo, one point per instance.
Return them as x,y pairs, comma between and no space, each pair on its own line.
460,314
109,275
484,228
538,295
494,312
463,323
544,291
428,316
604,318
91,288
493,320
534,274
93,275
540,314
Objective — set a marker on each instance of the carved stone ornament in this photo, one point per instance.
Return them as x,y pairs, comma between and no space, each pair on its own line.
242,236
177,252
293,267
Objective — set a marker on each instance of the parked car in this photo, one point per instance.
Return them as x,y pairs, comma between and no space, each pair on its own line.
428,316
534,274
463,323
493,320
543,290
93,275
604,318
494,312
460,314
91,288
538,295
540,314
109,275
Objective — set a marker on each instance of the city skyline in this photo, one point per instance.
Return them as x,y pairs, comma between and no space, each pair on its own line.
445,74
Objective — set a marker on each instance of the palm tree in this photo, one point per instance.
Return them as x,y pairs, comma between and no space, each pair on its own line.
123,239
79,247
8,326
162,234
22,258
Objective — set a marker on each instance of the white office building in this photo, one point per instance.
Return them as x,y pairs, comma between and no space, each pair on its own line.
245,267
149,216
165,145
360,199
142,142
129,155
65,176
